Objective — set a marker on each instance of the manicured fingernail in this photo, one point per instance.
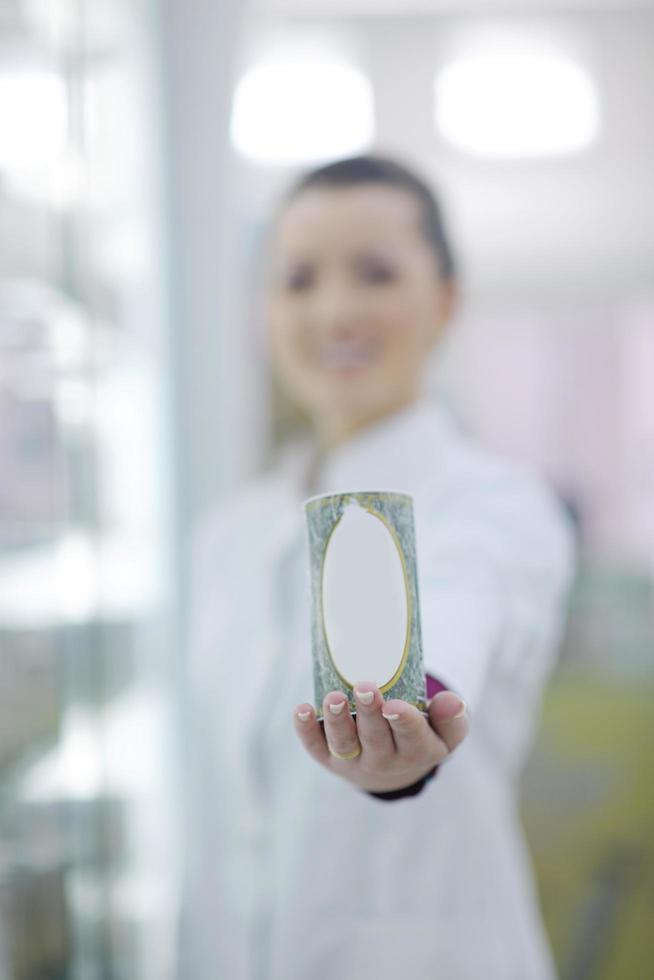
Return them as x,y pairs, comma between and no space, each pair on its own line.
336,708
365,697
391,717
304,715
460,713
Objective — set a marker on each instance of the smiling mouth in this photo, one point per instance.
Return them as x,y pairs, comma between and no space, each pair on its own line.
347,357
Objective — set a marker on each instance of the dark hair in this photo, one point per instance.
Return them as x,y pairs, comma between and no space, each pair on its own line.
371,169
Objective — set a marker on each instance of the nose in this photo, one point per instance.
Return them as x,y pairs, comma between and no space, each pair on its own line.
335,310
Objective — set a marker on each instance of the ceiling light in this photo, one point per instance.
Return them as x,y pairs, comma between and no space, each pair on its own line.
515,102
302,111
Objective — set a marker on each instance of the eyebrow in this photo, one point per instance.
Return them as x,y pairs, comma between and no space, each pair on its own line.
377,253
383,255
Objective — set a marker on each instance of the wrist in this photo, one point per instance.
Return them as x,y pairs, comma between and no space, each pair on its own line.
413,790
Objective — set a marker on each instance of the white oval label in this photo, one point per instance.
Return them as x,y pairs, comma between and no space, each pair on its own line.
364,599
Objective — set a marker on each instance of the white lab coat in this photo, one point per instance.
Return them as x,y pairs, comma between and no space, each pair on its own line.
293,874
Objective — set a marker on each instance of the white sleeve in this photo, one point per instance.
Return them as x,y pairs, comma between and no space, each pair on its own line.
495,562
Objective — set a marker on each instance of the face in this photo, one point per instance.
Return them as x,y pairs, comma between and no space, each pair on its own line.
356,303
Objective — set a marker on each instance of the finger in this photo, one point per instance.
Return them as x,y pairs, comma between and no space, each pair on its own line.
311,734
448,717
374,733
414,738
340,729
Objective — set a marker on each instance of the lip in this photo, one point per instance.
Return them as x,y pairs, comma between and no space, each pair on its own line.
346,358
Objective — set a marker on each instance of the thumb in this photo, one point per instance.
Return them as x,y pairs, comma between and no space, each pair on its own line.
448,716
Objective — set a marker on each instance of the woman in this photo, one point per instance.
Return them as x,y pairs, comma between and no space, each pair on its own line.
317,854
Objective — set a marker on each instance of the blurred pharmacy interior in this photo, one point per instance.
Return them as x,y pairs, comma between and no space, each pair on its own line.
143,144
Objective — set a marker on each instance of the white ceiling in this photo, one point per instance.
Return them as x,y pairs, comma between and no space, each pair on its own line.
404,8
577,227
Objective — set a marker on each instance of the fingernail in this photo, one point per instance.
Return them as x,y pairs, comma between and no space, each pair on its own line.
391,717
336,708
460,713
365,697
304,715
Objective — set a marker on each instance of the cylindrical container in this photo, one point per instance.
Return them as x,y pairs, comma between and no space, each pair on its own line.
365,614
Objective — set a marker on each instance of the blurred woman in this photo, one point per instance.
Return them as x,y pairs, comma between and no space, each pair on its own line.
391,841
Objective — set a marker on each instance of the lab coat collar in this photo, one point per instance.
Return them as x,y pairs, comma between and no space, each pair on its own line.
396,453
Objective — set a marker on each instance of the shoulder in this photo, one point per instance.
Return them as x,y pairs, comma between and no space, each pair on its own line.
500,508
220,526
464,474
480,478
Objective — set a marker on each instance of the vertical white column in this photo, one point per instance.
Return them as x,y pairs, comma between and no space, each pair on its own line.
199,43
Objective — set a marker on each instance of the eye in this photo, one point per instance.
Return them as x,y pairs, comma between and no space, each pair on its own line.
299,279
377,272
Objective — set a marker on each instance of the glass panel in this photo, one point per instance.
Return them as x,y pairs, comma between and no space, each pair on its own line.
85,528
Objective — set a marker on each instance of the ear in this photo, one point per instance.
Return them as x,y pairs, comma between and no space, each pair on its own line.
446,300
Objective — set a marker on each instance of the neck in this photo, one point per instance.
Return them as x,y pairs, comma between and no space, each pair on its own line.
337,428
